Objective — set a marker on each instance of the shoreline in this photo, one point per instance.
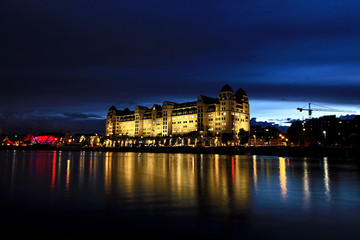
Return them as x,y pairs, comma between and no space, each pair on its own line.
281,151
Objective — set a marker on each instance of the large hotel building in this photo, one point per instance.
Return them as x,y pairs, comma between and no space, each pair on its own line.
227,113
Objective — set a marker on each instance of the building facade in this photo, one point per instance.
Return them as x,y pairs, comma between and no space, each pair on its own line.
208,116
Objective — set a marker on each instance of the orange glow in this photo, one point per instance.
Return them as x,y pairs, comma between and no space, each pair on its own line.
282,177
67,174
255,171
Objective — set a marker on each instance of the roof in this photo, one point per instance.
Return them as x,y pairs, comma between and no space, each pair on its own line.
226,88
157,107
112,108
183,105
124,112
208,100
240,96
240,92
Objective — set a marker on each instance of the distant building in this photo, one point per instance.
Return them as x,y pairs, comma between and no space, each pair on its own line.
326,130
227,113
268,136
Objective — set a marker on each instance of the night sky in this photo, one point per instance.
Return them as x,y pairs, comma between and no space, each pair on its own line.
65,63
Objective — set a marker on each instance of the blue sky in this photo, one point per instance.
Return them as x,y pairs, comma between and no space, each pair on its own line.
64,63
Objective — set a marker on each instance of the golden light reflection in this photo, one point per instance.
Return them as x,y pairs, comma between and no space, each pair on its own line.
212,183
242,184
216,165
282,176
222,182
67,174
91,168
81,169
255,173
108,172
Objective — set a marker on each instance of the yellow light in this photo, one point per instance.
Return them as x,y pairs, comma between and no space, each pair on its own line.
282,177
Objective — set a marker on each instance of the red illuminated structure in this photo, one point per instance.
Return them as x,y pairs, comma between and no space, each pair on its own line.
45,139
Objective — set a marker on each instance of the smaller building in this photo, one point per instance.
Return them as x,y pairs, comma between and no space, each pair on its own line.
268,136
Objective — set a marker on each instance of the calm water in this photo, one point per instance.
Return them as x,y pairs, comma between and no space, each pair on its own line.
111,195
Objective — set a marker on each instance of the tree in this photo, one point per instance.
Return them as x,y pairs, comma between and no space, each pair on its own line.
295,133
226,138
243,136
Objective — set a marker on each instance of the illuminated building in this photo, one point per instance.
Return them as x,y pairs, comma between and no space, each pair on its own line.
268,136
227,113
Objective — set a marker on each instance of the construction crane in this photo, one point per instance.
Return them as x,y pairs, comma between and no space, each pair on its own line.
326,109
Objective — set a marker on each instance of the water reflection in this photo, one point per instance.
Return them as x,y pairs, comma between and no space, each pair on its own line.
306,186
326,179
282,177
222,180
255,173
175,184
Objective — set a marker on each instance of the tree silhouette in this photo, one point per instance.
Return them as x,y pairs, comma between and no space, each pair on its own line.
243,136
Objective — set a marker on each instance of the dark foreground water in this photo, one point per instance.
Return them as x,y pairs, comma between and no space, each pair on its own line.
77,195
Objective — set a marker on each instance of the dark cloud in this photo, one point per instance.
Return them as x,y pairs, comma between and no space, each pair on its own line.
82,116
36,124
336,94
